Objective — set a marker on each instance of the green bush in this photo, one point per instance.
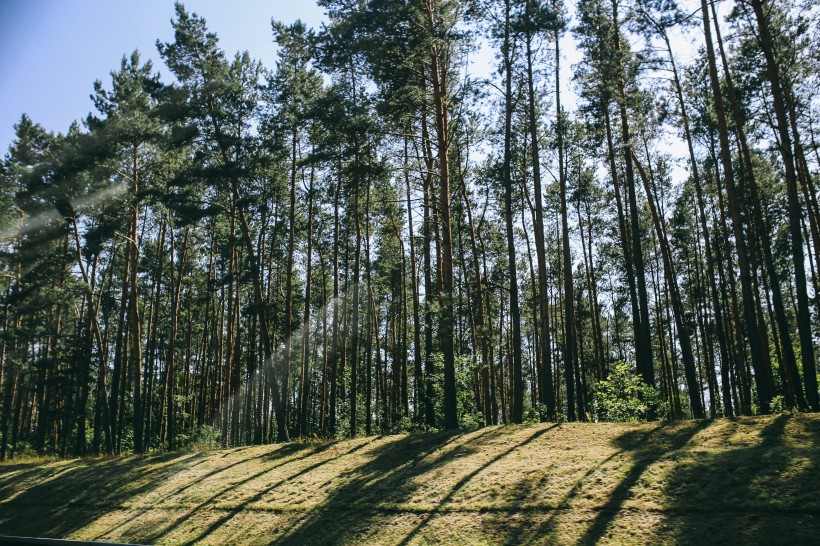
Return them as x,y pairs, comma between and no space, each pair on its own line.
778,405
624,397
203,438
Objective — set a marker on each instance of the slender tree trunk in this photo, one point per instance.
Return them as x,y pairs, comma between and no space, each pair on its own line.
545,383
728,410
571,345
637,330
684,338
429,364
515,313
304,406
135,349
286,357
264,321
439,81
371,320
780,100
334,354
763,389
645,363
354,336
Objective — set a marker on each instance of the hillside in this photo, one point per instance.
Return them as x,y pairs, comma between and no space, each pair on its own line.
741,481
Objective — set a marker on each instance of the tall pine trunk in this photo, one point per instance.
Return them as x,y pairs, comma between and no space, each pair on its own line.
761,373
439,80
515,312
780,95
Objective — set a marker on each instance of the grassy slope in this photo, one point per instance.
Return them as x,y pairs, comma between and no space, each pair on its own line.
741,481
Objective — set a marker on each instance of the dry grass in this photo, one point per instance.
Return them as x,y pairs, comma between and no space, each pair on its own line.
741,481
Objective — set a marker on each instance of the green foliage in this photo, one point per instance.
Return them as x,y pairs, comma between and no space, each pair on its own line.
778,404
469,414
534,414
204,438
624,397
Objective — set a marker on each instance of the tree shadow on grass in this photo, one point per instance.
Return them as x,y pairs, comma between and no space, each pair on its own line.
765,491
256,497
385,479
645,454
466,479
525,531
60,498
743,481
740,483
281,454
66,496
576,516
221,486
387,484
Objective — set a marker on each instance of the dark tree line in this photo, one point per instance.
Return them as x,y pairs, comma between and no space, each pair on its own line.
367,238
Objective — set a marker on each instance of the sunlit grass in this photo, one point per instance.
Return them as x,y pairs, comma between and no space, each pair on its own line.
746,480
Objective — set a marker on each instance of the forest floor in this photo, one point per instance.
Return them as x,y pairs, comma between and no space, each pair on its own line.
727,481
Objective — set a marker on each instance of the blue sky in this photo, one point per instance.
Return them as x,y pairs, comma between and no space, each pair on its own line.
52,51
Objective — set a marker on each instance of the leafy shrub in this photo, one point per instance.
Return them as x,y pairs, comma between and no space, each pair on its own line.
624,397
778,405
204,438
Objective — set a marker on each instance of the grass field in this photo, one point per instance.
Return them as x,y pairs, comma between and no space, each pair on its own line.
727,481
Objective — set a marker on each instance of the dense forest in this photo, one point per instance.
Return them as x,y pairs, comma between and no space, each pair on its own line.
361,236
